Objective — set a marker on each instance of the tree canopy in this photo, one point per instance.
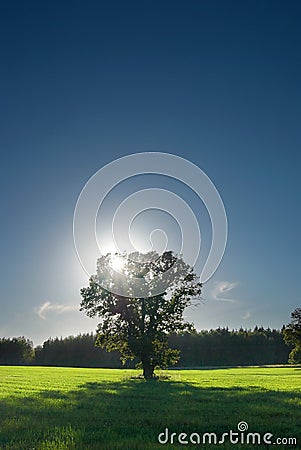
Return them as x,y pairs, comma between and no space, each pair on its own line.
17,350
140,301
292,335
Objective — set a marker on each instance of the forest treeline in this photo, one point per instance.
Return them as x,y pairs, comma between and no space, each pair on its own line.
220,347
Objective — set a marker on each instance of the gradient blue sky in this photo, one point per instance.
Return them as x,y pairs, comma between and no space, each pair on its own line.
84,83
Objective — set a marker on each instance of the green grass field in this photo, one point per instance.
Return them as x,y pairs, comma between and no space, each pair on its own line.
71,408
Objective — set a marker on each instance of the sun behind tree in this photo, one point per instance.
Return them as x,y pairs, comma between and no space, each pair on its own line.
138,327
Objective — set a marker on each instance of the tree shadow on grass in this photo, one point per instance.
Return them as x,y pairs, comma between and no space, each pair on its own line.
130,414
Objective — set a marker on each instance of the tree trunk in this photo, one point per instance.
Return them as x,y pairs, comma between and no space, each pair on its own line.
148,370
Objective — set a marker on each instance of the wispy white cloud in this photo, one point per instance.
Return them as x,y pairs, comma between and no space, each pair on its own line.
247,315
54,307
221,290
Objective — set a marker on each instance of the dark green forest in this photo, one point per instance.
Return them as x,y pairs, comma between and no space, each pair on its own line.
220,347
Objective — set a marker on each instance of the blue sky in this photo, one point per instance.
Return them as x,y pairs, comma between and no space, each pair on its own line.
84,83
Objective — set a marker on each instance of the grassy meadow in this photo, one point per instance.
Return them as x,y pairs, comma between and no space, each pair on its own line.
73,408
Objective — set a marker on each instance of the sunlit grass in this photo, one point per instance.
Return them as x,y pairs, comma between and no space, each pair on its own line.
72,408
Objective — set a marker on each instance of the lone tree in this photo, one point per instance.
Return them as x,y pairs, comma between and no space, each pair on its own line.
140,299
292,335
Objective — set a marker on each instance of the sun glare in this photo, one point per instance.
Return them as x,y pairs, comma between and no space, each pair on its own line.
117,263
